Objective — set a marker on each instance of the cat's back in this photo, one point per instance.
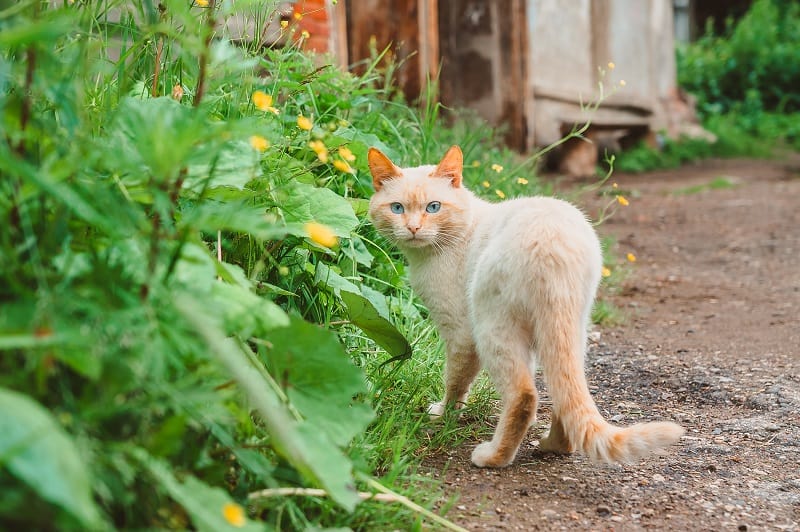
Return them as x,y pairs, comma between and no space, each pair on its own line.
531,230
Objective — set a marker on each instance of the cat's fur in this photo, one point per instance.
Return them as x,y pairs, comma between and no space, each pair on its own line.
509,285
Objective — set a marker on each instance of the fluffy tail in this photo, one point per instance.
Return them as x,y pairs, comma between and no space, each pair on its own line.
577,424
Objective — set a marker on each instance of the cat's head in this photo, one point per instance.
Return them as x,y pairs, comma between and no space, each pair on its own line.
422,206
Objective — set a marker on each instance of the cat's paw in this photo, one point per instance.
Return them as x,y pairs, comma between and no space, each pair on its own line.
552,443
436,410
486,455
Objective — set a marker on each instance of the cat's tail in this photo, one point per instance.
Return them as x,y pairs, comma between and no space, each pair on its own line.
577,423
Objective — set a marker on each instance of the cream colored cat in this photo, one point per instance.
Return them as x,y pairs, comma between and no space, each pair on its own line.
509,285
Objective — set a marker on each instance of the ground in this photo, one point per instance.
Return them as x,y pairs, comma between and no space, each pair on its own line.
711,340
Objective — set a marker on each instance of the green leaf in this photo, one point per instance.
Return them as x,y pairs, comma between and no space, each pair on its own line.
238,217
35,449
307,448
205,505
232,165
364,312
319,379
302,203
367,309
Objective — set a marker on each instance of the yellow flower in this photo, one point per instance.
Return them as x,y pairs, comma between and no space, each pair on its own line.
342,166
622,83
623,201
497,168
476,164
304,123
522,181
614,185
298,16
259,143
605,272
284,24
500,194
304,34
263,102
177,92
611,65
346,154
486,184
319,148
321,234
201,3
234,514
631,257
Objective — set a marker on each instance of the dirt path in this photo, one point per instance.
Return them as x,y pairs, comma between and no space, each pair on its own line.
711,340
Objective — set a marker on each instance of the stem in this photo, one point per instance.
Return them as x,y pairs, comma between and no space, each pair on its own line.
201,77
157,69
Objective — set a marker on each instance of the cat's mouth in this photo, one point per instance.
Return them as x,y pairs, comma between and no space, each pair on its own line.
415,241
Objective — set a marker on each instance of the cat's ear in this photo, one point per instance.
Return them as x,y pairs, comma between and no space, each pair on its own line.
381,167
451,166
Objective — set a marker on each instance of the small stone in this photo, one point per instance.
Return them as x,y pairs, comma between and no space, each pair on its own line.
461,507
658,478
603,510
743,527
548,514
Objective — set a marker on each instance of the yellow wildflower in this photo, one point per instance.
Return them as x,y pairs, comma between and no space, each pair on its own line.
321,234
614,185
298,16
342,166
263,102
497,168
611,65
631,257
259,143
319,148
177,92
476,164
522,181
284,24
486,184
622,200
234,514
304,123
346,154
622,83
201,3
605,272
500,194
304,34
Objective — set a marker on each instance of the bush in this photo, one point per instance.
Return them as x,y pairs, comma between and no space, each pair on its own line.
754,66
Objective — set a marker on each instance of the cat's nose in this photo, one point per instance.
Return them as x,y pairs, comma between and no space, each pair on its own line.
413,229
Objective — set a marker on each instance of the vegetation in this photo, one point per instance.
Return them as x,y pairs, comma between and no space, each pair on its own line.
192,306
745,81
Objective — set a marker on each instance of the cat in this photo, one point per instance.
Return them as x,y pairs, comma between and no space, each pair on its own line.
509,285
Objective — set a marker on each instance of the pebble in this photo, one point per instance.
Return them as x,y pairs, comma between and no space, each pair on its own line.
603,510
658,478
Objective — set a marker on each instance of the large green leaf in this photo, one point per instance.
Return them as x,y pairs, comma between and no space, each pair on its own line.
364,312
302,203
211,509
35,449
319,379
310,450
367,309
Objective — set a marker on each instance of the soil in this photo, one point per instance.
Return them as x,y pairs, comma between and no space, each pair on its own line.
710,339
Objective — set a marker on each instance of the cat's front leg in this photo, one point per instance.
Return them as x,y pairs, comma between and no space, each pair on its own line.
460,369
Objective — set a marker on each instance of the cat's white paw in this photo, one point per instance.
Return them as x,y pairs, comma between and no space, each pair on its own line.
485,455
436,409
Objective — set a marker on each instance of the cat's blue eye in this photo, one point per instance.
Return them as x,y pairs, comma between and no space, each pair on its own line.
397,208
433,207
